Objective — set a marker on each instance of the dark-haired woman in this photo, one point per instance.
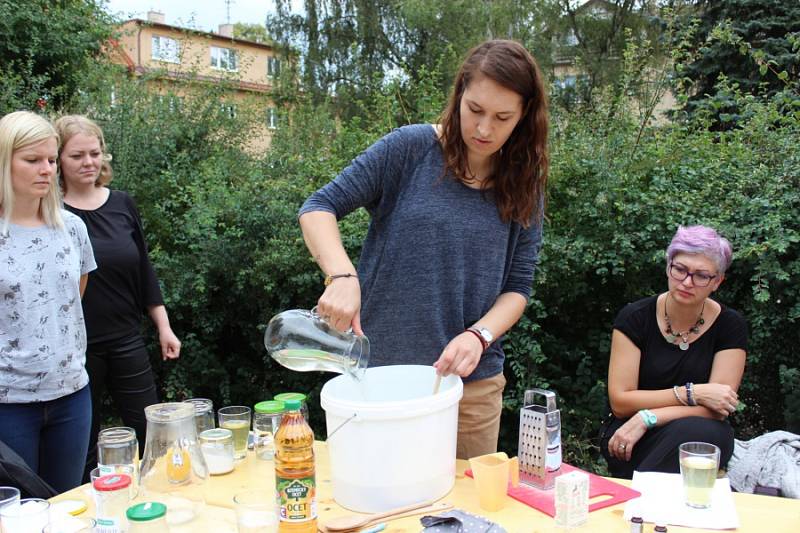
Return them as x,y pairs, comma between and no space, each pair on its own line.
456,226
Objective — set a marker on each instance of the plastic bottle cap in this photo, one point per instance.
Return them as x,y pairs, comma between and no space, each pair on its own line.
112,482
270,407
72,507
292,405
146,511
216,434
290,396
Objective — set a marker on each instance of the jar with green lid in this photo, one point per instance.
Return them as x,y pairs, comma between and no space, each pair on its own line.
282,397
148,517
266,422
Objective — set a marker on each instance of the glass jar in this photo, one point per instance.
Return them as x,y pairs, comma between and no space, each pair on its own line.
148,517
203,413
118,453
217,447
111,499
266,422
282,397
173,470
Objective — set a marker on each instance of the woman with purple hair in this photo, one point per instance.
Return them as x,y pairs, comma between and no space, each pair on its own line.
677,360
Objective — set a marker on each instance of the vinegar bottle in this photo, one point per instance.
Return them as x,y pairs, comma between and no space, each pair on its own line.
294,472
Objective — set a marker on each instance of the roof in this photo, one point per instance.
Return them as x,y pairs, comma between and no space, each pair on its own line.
153,24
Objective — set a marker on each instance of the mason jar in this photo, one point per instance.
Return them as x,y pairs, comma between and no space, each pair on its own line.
266,423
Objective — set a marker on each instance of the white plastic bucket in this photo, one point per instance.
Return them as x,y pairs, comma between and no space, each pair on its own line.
392,443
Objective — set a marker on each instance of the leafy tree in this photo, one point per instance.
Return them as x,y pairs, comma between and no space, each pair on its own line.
46,48
350,48
251,32
764,58
594,35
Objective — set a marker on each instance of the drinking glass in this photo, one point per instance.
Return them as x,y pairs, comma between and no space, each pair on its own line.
236,418
203,413
71,524
9,496
255,512
699,462
30,516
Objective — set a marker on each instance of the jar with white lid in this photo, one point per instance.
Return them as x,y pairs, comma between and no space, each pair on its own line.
218,451
148,517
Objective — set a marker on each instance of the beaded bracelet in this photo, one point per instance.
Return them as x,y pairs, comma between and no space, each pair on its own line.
690,394
678,396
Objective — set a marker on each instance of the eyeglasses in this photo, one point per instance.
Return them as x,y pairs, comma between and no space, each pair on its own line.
699,278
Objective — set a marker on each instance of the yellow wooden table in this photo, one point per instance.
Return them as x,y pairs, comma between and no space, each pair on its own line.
757,514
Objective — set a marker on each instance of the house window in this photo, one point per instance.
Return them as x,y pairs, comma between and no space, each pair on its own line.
224,58
567,82
273,67
272,118
229,110
165,49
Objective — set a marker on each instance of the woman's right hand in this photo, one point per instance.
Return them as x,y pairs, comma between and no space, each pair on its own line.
340,304
718,397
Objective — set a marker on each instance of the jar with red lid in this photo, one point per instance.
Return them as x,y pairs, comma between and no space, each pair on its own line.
112,498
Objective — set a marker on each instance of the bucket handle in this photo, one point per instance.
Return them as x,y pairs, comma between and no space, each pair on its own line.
342,425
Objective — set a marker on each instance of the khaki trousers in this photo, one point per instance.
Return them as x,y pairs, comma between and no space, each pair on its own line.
479,417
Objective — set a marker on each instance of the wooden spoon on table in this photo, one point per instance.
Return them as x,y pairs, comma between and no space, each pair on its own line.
355,522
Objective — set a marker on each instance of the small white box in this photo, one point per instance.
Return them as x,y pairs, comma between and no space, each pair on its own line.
572,499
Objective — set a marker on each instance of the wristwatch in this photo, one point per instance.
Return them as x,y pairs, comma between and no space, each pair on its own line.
484,334
649,417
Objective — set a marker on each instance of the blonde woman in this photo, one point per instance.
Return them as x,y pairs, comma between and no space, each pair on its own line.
45,257
123,287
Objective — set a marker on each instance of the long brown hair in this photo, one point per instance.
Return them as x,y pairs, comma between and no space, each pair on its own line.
520,172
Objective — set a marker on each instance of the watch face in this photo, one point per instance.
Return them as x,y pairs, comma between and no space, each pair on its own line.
486,334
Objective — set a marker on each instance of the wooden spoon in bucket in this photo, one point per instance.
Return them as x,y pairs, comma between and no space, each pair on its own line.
350,522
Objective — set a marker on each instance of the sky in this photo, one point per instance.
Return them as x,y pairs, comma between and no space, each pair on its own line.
204,15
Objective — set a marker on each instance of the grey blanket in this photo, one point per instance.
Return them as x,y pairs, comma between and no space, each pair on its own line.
771,460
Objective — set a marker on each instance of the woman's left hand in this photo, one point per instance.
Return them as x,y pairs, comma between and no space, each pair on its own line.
461,355
622,442
170,345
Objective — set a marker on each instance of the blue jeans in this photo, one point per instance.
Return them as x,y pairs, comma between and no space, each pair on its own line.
52,436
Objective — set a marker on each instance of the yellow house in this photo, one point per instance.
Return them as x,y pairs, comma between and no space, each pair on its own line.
176,54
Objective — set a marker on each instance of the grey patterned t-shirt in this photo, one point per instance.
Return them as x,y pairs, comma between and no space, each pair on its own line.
42,333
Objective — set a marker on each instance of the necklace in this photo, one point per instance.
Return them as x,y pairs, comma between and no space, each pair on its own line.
673,336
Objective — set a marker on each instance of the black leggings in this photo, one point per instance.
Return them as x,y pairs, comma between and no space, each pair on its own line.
657,450
123,368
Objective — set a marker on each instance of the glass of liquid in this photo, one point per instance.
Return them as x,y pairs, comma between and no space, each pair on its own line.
236,418
302,340
30,516
699,463
255,512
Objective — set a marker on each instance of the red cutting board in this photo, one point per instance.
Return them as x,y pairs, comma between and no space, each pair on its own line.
543,500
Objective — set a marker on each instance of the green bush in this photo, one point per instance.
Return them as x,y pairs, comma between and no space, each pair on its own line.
221,224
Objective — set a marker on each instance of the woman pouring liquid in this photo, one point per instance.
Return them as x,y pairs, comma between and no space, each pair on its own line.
456,226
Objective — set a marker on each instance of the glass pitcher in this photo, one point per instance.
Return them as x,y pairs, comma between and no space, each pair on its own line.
302,340
173,470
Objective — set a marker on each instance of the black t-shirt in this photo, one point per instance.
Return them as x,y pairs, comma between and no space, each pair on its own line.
125,283
663,364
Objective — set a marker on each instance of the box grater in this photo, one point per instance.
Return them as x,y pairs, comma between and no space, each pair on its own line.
539,439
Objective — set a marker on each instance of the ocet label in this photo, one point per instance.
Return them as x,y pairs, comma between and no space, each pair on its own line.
297,499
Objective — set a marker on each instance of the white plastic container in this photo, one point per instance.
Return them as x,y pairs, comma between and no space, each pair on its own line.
392,443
